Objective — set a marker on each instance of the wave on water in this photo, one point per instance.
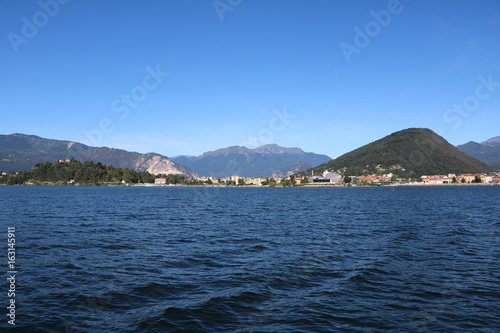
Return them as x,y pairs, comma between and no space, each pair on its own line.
256,260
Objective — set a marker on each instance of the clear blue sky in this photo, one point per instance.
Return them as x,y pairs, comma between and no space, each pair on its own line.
66,70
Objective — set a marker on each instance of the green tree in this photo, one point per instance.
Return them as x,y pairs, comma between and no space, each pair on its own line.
127,177
347,179
11,181
84,173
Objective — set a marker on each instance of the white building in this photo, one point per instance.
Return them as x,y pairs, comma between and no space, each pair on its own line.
160,180
335,178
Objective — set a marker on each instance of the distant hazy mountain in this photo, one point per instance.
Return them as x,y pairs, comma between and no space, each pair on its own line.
21,152
411,152
487,151
493,142
267,160
296,167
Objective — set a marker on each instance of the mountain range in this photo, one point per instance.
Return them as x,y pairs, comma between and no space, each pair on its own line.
487,151
265,160
20,152
411,152
408,153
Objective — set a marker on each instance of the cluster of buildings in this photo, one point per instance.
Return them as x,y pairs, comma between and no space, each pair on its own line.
237,179
334,178
327,177
468,178
485,178
387,178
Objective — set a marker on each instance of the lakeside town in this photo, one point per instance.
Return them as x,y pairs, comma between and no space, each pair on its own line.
332,178
75,173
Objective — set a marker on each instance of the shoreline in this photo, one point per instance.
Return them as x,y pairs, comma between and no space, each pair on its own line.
260,186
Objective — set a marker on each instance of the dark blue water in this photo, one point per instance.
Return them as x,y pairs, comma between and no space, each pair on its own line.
136,259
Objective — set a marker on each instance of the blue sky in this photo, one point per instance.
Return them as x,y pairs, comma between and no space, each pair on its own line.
185,77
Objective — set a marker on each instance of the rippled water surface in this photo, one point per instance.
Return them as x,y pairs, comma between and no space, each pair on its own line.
173,259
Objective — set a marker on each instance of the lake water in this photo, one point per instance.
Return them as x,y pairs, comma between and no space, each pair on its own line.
176,259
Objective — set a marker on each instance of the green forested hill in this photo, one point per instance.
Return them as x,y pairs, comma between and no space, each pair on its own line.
411,152
87,173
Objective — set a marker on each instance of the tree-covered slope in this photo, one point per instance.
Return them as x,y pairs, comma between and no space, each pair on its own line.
76,172
411,152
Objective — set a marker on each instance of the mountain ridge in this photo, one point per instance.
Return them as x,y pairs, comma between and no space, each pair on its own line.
487,151
20,152
411,152
493,142
265,160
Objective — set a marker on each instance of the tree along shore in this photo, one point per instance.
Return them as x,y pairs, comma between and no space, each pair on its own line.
76,173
